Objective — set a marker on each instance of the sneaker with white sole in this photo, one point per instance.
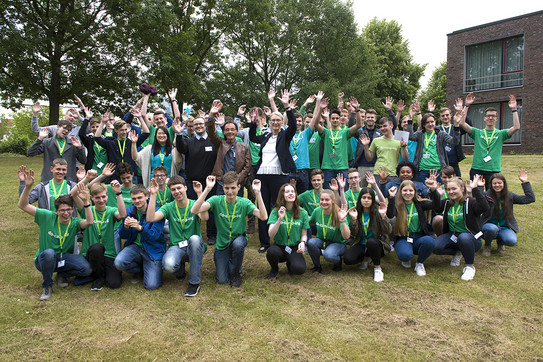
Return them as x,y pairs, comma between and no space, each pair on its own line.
455,261
468,273
501,249
61,281
419,269
192,290
486,250
378,275
406,264
46,293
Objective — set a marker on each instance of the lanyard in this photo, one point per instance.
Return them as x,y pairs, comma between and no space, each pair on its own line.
454,215
230,219
445,192
289,227
489,141
259,131
61,239
449,131
57,194
410,215
365,224
162,155
61,149
334,139
98,147
428,140
163,199
182,222
99,227
314,199
121,149
296,140
325,229
352,196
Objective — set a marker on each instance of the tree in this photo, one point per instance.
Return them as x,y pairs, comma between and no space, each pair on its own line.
397,75
57,48
437,88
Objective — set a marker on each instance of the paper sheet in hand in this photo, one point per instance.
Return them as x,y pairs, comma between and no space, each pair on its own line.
401,136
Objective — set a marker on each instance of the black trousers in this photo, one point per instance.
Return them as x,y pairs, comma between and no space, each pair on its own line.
295,262
270,185
103,267
356,253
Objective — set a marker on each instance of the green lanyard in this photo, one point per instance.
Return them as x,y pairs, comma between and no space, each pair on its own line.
314,199
410,216
455,215
61,239
163,199
334,139
230,219
57,194
325,229
289,227
99,225
489,141
365,224
352,196
98,147
446,194
61,149
121,149
182,222
162,155
428,140
296,140
449,131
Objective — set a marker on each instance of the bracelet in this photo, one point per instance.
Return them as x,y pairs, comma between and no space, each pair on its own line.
357,110
404,145
514,110
86,205
174,100
120,193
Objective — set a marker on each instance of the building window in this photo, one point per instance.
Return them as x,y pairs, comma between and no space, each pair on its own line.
496,64
505,119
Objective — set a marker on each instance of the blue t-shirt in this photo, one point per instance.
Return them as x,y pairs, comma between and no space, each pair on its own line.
161,160
299,148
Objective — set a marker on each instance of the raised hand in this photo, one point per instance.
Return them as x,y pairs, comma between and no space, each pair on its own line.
109,169
370,178
383,174
210,182
388,103
197,187
383,209
44,133
133,136
320,95
512,102
342,213
172,93
401,106
281,212
430,183
184,116
292,103
470,98
29,178
341,180
177,127
353,213
82,192
271,94
256,186
220,119
431,105
354,103
153,187
478,180
411,111
241,110
433,175
22,173
523,176
292,182
36,108
80,173
324,103
310,99
340,97
136,112
285,94
459,105
90,175
334,185
201,114
416,105
215,107
75,142
115,186
365,140
325,112
267,111
392,191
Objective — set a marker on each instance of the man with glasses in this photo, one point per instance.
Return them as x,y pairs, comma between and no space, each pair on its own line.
200,156
488,142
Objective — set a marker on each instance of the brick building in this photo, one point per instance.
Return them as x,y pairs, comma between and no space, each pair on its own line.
497,59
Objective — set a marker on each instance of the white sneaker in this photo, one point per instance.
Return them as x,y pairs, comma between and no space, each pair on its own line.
406,264
378,275
455,261
501,249
364,264
419,269
469,273
486,250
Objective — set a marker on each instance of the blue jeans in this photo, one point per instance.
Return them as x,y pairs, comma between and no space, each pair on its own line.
330,174
504,236
229,260
117,240
424,174
175,258
133,259
466,243
332,252
423,245
302,180
74,265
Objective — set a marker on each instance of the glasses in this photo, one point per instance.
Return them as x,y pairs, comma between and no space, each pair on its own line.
160,176
491,116
65,211
198,124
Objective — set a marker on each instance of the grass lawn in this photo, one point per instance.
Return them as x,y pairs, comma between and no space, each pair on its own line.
333,316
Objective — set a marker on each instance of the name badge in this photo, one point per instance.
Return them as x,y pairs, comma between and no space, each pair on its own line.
61,263
183,244
487,158
100,165
312,140
448,149
410,240
288,249
478,235
208,148
454,238
333,155
294,158
426,155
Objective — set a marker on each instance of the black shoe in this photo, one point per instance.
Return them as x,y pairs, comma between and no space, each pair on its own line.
211,241
337,267
263,249
181,276
192,290
235,280
97,285
273,274
317,269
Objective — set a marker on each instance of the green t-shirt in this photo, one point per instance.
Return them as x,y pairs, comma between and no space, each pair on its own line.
388,154
255,148
336,149
49,235
230,218
112,200
309,200
488,143
351,197
314,150
101,231
138,238
430,159
164,197
325,229
366,231
183,224
455,218
290,231
100,158
413,222
55,191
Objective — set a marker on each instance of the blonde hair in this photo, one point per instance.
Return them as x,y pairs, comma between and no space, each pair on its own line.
462,185
97,188
400,227
335,207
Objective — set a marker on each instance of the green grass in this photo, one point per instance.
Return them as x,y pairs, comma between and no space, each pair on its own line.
334,316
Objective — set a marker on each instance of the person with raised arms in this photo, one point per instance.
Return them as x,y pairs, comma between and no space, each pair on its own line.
56,236
231,212
332,232
186,243
503,226
288,225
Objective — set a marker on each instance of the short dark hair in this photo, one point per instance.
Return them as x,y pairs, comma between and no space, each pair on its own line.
64,123
139,189
176,180
63,200
411,165
490,109
335,111
230,122
59,161
160,168
315,172
385,119
448,171
124,168
424,119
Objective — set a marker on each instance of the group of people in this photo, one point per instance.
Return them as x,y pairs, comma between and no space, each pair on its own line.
331,183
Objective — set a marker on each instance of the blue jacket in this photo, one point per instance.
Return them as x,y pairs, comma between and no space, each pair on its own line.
152,237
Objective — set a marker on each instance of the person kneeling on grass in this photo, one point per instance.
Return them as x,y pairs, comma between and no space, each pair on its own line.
145,245
186,243
56,237
230,212
98,246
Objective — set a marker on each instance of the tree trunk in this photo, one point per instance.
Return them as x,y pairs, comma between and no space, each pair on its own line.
54,93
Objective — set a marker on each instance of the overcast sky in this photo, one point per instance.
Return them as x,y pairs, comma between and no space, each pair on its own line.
425,24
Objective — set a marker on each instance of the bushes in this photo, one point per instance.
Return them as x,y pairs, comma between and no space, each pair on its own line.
17,145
